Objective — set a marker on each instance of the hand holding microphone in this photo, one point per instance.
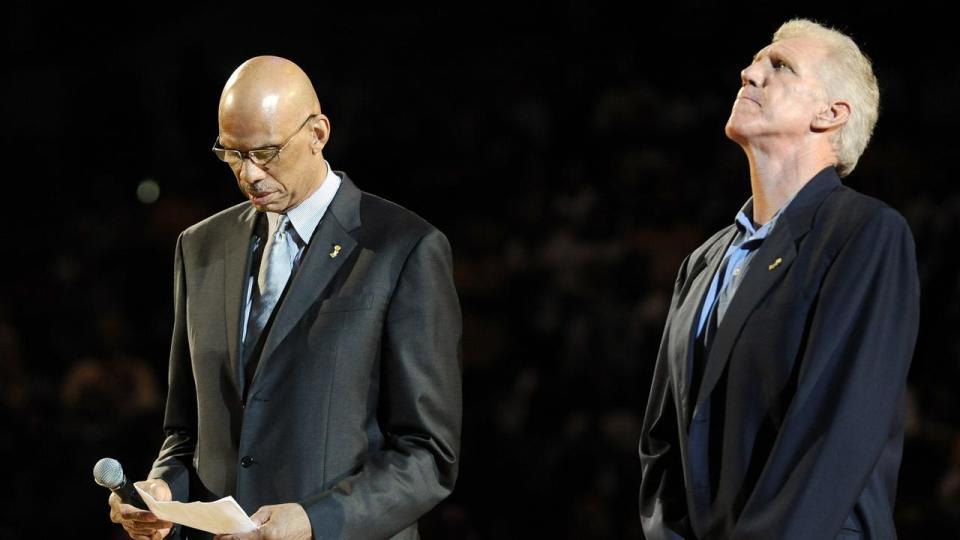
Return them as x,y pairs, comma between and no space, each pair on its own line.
124,501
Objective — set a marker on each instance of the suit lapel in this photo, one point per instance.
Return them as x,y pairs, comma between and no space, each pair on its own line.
768,266
236,264
687,319
761,275
321,262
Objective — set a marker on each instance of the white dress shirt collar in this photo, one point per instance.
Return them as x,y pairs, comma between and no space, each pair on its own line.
307,215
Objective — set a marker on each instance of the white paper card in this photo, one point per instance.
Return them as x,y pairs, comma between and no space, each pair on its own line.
219,517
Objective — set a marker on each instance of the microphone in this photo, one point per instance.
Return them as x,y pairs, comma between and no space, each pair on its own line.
109,474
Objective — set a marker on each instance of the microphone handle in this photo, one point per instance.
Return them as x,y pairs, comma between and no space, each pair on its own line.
129,495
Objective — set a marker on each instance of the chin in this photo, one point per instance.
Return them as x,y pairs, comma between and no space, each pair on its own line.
731,131
275,206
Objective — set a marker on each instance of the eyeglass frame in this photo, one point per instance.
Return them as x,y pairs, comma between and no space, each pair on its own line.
246,154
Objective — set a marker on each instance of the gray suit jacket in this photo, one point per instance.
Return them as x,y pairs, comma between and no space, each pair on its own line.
354,410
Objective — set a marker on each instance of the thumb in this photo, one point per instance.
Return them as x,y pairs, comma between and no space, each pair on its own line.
262,516
158,489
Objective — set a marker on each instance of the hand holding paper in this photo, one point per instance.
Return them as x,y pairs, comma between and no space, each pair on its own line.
278,521
220,517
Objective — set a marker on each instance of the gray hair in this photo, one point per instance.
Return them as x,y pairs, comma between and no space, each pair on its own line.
848,75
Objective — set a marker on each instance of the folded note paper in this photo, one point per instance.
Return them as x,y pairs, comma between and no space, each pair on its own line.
219,517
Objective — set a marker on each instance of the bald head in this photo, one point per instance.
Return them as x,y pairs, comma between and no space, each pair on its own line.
269,104
268,95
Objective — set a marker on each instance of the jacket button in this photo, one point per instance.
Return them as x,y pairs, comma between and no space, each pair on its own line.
246,461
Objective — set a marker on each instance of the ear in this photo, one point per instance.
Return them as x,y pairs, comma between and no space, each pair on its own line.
320,127
833,116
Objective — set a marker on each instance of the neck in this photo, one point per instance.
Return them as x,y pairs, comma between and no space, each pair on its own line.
320,177
774,181
323,174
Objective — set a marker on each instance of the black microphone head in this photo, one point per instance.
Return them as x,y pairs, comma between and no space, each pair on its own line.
108,473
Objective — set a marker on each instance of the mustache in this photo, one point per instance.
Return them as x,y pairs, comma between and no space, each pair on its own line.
257,188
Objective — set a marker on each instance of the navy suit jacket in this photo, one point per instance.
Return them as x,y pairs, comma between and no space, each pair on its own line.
354,410
805,380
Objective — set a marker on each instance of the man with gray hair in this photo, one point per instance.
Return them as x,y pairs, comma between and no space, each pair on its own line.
776,409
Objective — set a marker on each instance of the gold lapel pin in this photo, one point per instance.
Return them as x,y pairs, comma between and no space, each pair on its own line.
773,265
336,251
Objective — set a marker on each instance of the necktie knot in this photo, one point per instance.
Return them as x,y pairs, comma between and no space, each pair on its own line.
282,225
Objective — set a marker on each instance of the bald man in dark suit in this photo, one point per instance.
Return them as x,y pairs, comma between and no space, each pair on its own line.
315,366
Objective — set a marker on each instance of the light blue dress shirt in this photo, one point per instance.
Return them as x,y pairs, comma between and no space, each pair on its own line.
737,259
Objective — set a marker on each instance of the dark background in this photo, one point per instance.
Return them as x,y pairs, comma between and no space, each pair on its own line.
573,154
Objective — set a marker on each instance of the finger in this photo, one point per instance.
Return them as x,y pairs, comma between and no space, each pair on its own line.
132,513
135,533
114,503
155,523
146,527
140,531
152,525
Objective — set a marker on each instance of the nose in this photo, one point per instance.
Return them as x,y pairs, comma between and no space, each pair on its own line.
249,173
752,75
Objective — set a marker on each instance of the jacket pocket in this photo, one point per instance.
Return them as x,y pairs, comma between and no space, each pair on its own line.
346,303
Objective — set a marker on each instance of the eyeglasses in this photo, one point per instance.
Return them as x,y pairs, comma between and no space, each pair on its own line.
259,156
